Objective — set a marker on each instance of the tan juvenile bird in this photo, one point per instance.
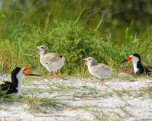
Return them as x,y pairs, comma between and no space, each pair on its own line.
100,70
51,61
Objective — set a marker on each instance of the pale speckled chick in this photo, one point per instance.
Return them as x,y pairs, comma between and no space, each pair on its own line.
100,70
51,61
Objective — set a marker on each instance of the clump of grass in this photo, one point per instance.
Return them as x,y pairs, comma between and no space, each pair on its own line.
146,91
86,91
44,105
72,41
64,88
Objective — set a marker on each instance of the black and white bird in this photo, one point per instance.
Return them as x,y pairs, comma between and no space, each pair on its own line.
138,67
15,86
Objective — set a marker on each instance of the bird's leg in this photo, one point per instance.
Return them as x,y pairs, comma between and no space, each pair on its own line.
59,72
102,82
50,75
55,74
91,78
58,75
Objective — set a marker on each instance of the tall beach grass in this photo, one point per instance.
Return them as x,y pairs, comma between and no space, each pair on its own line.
73,41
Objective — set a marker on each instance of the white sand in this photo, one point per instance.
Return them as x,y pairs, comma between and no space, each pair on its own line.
118,99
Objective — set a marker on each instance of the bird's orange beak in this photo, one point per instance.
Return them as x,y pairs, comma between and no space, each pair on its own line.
25,70
129,59
28,74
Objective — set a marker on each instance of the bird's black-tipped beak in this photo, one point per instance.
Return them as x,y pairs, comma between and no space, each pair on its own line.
28,74
129,59
125,60
34,74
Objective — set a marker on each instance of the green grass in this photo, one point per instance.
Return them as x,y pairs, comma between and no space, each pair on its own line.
74,43
22,31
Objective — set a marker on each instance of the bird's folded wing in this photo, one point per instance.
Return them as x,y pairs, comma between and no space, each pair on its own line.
51,57
148,66
56,62
8,87
102,69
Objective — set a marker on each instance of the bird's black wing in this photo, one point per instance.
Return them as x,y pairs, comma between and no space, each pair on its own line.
7,88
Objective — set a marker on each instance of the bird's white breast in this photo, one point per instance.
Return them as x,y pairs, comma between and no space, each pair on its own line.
135,67
20,77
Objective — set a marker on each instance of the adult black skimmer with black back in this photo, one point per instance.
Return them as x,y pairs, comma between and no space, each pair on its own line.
138,67
15,86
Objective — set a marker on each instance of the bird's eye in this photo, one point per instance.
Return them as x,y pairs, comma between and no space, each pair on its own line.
41,47
89,59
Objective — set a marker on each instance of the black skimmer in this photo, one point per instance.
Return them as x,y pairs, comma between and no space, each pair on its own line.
98,70
51,61
15,86
138,67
